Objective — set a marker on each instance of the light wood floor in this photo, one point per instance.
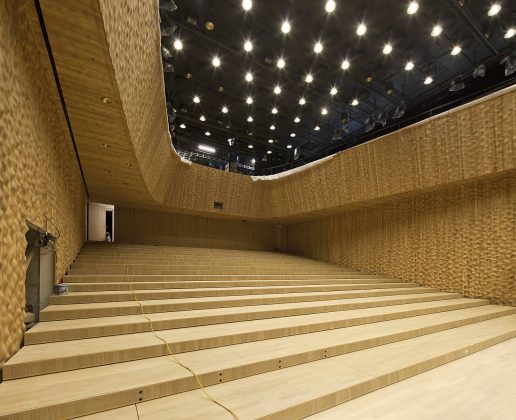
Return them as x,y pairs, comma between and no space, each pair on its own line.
284,337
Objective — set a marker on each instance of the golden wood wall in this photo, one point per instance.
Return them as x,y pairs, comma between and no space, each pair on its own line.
459,239
165,228
39,174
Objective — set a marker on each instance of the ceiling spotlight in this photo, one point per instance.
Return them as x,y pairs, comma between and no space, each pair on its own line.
247,5
253,161
178,45
324,111
289,146
330,6
281,63
249,100
456,85
231,141
318,47
436,30
333,91
270,141
207,134
369,123
274,110
361,29
354,102
202,118
205,148
215,62
412,7
277,90
494,9
428,80
182,126
165,52
302,101
269,152
479,71
400,110
250,119
249,77
387,49
248,46
196,99
510,33
225,110
456,50
285,27
382,118
409,66
317,128
345,65
292,135
297,120
250,146
389,87
272,128
510,64
309,78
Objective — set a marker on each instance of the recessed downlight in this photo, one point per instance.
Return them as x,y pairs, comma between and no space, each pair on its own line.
361,29
285,27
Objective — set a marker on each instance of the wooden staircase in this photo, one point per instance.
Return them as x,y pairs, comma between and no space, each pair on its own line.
269,335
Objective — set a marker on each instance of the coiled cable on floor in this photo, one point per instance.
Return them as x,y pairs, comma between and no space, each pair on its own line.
173,356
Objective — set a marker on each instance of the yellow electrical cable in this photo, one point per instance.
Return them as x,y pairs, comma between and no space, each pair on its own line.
174,358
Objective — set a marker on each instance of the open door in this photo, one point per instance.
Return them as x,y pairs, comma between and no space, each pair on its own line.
101,222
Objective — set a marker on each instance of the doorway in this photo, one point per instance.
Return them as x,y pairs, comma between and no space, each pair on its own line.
101,222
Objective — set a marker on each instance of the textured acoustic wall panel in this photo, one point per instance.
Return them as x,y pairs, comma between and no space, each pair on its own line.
164,228
39,174
458,239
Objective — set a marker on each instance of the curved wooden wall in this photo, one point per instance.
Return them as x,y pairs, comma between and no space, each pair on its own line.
39,174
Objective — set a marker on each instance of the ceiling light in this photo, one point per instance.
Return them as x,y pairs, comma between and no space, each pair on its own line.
277,90
250,146
281,63
428,80
247,5
309,78
409,66
225,110
105,99
215,62
302,101
249,77
248,46
510,64
250,118
205,148
207,134
231,141
479,71
317,128
285,27
270,141
202,118
272,128
210,26
400,110
456,85
289,146
292,135
456,50
345,65
253,161
436,30
182,126
333,91
274,110
387,49
510,33
178,45
494,9
361,29
330,6
269,152
412,7
324,111
318,47
354,102
297,120
196,99
249,100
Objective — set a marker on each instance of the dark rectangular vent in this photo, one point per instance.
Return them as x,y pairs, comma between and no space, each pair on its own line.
217,205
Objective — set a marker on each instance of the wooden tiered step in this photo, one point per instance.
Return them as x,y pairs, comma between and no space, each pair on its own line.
282,345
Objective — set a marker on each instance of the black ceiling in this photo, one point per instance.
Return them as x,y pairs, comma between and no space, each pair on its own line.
189,72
